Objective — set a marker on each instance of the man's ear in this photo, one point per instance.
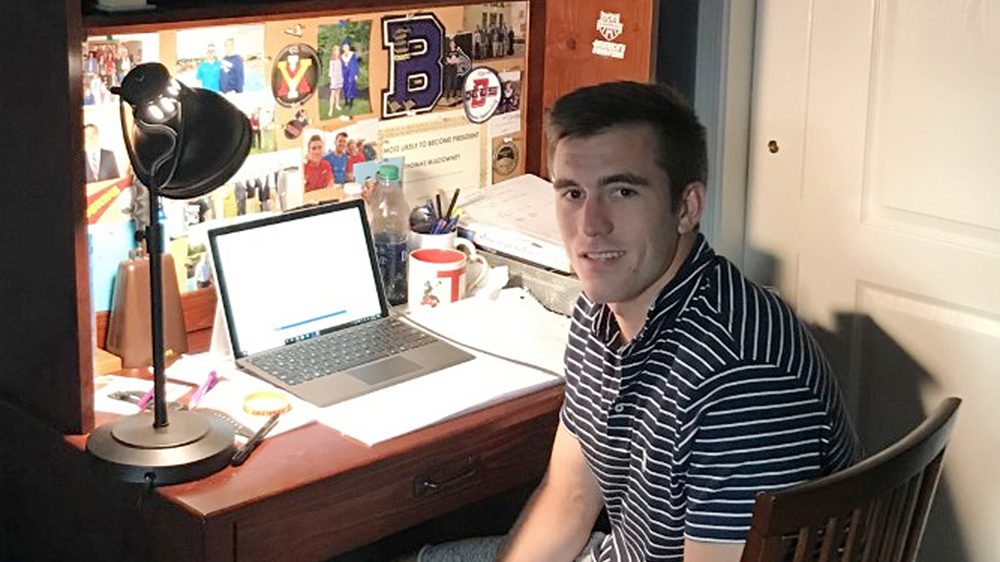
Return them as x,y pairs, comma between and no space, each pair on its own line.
690,207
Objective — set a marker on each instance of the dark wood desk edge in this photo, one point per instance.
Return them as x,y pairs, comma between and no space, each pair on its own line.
322,453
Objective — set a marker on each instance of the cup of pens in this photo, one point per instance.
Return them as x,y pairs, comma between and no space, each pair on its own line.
434,226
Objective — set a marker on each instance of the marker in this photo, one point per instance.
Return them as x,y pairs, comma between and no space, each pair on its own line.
209,384
144,401
241,456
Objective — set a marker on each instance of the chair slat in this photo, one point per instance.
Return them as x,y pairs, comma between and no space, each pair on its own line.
874,511
831,540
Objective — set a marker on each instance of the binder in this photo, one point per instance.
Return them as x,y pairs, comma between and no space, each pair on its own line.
517,217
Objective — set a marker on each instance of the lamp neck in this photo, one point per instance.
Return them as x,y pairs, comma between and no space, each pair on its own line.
154,246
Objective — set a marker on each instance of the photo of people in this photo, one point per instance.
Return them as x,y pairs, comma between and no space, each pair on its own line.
107,59
225,59
101,162
510,93
343,86
457,64
498,29
329,161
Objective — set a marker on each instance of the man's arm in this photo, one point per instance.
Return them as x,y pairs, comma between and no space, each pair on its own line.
701,551
557,521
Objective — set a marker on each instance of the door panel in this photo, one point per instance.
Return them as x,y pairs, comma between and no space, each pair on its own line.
878,217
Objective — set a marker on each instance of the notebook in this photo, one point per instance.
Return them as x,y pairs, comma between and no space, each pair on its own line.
306,311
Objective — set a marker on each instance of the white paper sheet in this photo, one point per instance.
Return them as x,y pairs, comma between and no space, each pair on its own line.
513,325
423,401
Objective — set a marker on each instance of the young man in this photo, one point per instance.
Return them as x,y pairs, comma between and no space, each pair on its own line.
315,169
231,78
209,73
337,158
688,388
101,163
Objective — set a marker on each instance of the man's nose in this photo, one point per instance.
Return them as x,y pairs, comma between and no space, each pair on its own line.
596,221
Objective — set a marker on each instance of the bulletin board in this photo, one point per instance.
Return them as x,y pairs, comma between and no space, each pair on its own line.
441,88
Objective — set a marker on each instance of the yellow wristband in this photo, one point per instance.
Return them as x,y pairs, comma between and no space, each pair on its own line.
266,403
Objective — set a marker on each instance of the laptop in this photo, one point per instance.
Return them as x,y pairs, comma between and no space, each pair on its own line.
306,310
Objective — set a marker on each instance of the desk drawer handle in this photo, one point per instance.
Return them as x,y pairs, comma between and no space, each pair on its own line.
423,485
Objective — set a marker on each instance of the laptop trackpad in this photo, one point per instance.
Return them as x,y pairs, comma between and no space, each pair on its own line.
384,370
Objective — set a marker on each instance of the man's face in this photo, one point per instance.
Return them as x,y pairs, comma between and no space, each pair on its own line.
614,213
315,151
210,53
229,46
91,139
341,144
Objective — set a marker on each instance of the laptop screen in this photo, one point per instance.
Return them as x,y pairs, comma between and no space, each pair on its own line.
290,277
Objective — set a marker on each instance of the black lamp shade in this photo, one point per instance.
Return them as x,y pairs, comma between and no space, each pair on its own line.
213,134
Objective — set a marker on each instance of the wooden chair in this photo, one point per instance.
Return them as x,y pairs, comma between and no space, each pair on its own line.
874,511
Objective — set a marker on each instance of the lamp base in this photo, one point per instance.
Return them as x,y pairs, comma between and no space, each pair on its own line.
192,446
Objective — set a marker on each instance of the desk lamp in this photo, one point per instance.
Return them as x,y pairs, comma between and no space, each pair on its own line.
182,142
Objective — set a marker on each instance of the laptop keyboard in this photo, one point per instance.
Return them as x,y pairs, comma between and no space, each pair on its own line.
340,351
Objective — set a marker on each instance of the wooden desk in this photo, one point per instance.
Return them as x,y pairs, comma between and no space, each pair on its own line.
312,493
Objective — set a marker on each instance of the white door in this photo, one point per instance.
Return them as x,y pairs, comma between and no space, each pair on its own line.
874,207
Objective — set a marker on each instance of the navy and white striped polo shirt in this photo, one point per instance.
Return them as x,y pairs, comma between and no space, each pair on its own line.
721,394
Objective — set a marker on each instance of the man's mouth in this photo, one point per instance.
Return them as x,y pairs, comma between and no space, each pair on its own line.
604,256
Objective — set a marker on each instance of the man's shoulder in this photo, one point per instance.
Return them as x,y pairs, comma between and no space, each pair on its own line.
730,304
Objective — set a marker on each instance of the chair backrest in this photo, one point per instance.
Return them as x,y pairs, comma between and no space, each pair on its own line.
874,511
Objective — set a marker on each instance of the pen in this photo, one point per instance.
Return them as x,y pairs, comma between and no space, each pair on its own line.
241,456
437,197
451,207
209,384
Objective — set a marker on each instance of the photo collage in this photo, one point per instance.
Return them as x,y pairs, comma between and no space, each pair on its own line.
321,95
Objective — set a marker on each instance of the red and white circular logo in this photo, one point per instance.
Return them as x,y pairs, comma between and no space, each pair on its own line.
481,94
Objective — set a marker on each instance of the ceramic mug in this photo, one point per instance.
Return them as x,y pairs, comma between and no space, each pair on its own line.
417,240
439,276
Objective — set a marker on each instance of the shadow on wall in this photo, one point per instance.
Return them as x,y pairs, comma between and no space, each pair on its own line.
890,402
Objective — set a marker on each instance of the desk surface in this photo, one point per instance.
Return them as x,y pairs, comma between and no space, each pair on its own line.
313,493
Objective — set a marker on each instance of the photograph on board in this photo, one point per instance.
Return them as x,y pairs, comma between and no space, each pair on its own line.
343,87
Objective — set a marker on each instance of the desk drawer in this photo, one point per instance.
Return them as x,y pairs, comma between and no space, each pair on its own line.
362,506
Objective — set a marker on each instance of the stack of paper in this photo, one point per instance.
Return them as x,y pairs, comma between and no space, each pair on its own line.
514,325
517,217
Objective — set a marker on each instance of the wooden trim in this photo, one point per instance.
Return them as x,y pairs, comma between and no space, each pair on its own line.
182,13
534,147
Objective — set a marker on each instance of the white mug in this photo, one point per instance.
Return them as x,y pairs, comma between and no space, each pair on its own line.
417,240
438,276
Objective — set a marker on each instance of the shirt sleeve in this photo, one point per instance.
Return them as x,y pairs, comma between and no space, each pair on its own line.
757,429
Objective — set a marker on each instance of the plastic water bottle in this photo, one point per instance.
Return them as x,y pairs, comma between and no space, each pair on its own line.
390,223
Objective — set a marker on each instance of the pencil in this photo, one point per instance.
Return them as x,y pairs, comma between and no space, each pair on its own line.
437,197
451,207
241,456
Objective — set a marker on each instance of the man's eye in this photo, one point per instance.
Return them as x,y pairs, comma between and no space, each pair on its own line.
572,193
624,191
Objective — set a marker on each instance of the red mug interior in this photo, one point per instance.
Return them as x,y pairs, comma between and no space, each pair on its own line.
438,255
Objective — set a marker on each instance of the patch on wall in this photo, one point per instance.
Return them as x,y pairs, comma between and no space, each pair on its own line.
295,74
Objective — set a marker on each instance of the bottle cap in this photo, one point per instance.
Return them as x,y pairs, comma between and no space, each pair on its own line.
388,172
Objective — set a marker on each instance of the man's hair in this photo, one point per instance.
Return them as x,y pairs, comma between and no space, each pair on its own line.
313,139
592,110
341,134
